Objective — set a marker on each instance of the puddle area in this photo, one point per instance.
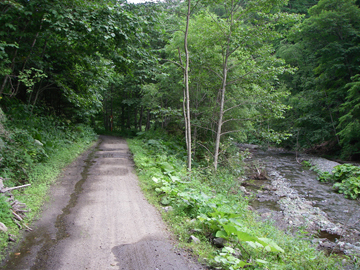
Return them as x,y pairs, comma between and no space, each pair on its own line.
294,197
331,237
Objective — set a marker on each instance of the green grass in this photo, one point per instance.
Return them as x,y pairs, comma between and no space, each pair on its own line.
206,204
34,148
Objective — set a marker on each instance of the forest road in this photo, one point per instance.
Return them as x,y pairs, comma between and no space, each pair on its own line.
98,219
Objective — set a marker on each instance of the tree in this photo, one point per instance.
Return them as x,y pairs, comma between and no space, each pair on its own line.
75,46
237,50
325,49
186,102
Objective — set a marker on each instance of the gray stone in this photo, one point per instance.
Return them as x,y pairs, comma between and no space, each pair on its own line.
167,208
194,239
219,242
327,245
3,227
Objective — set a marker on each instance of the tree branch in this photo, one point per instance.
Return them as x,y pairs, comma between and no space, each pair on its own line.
231,131
173,62
213,131
236,119
217,74
240,78
205,148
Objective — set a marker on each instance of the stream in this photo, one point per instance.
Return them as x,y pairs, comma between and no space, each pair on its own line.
294,198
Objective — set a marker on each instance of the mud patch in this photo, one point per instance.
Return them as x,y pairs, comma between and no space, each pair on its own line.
37,244
149,253
114,161
112,154
115,171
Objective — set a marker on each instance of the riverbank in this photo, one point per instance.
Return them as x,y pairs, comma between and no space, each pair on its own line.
210,215
301,204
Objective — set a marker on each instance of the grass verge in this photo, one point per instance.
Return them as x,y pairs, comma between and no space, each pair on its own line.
212,208
41,176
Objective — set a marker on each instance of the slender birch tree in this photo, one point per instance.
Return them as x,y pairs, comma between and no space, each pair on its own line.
186,101
237,50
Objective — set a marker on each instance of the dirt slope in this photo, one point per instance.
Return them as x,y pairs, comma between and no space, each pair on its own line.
98,218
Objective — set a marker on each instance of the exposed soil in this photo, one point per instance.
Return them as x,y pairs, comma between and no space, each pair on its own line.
98,218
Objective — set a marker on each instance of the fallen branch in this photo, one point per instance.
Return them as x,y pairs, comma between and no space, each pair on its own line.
13,188
17,216
12,238
16,207
17,223
27,227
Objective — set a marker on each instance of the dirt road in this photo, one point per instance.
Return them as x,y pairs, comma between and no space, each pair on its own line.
98,218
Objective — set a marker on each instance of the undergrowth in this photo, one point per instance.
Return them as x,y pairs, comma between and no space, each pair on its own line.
211,207
345,179
34,148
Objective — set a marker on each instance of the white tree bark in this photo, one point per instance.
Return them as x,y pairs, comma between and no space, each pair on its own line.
187,91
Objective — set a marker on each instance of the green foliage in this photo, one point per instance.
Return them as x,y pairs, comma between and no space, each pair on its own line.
306,163
299,6
350,187
349,122
68,53
210,205
324,177
228,260
346,178
32,136
5,212
324,48
345,171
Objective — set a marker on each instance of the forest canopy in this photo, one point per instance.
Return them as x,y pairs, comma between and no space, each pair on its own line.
265,72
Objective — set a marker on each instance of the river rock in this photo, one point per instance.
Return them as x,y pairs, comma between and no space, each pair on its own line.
194,239
3,227
322,164
219,242
167,208
328,245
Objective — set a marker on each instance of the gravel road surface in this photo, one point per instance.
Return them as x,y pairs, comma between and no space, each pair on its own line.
98,218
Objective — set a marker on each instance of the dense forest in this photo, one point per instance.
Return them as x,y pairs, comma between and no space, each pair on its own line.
187,81
264,72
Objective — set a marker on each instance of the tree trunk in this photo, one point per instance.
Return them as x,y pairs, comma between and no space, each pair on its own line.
221,114
135,119
123,117
27,59
105,115
147,128
186,105
141,118
12,61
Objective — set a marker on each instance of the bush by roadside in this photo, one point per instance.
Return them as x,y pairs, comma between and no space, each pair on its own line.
209,214
34,148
